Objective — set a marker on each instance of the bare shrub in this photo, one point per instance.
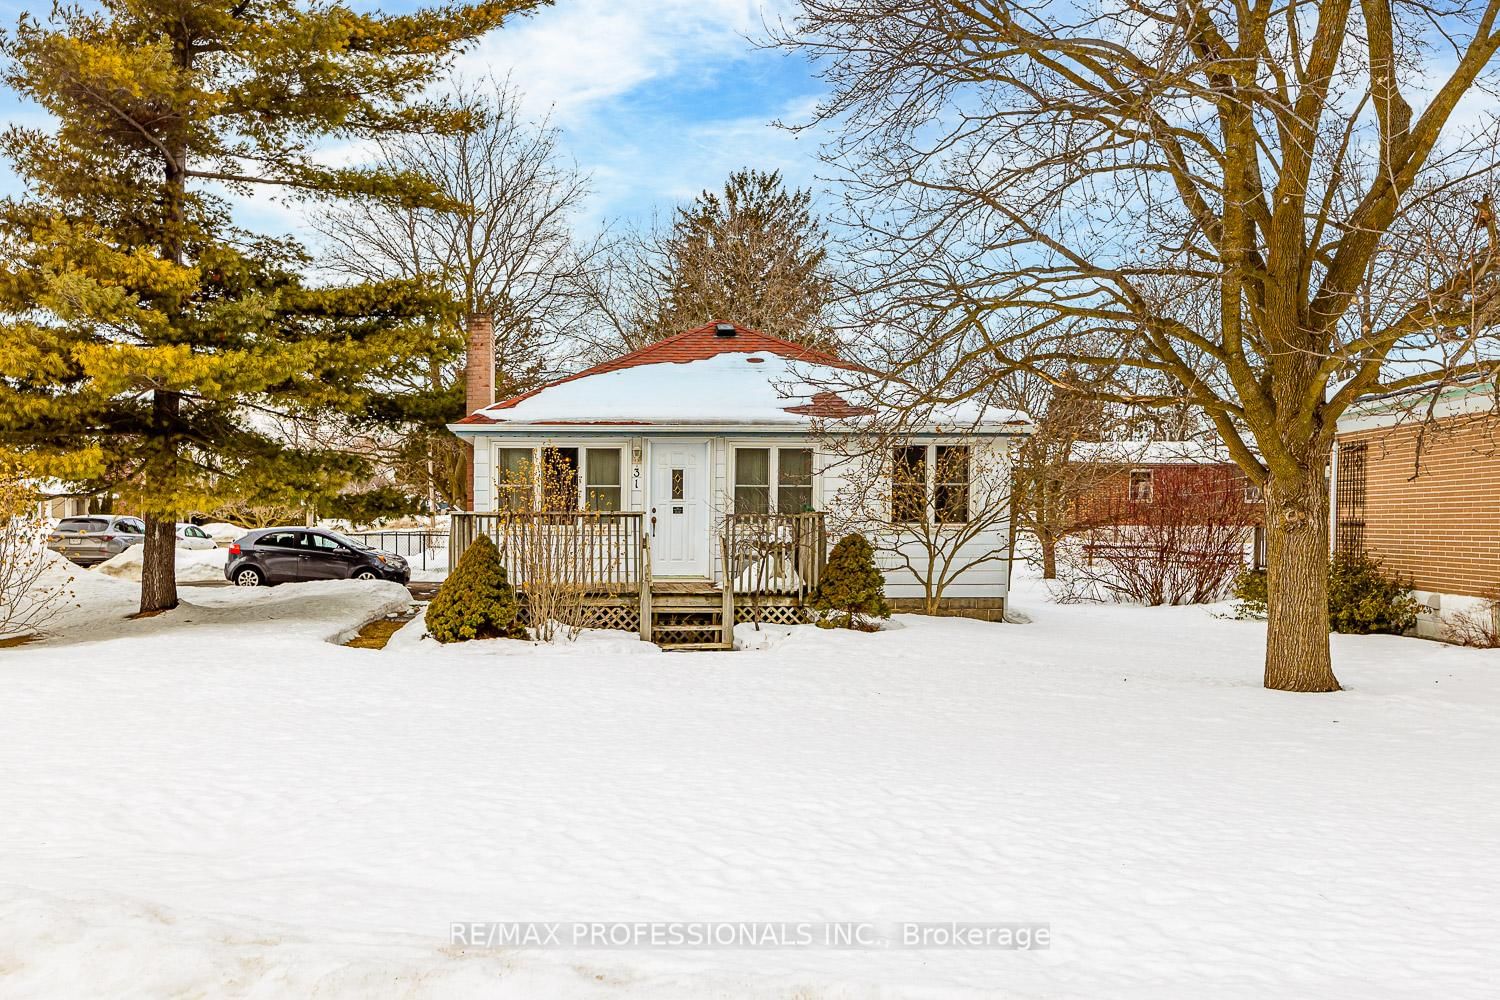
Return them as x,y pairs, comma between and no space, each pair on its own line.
1477,626
1184,545
28,600
549,547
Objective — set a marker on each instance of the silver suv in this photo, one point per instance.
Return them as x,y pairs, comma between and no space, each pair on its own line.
94,538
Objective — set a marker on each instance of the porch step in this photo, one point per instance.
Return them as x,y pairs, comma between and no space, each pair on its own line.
686,604
687,647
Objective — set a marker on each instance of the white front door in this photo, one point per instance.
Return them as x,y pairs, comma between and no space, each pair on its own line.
678,515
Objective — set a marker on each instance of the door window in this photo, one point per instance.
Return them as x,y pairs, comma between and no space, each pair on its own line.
323,545
131,526
281,540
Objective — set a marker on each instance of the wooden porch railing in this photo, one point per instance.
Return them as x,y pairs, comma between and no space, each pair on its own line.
774,553
602,551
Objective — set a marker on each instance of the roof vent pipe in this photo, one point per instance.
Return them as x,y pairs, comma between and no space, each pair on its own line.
724,330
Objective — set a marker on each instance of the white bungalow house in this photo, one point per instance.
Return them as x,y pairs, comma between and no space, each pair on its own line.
702,479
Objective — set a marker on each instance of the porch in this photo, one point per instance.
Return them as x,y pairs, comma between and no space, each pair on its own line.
600,561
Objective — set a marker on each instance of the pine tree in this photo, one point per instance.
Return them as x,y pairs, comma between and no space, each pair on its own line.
144,330
476,601
852,586
754,254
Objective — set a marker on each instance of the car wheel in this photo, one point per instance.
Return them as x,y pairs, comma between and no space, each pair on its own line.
248,577
366,574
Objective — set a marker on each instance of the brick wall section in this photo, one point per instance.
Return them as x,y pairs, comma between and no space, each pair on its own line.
1442,528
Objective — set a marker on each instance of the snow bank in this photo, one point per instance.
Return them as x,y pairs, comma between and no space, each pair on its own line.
193,565
592,643
223,533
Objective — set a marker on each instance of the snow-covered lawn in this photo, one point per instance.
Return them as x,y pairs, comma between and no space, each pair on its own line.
219,802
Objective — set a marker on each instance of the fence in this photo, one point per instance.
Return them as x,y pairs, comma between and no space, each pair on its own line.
424,549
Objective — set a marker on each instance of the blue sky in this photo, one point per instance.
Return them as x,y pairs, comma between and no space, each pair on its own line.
656,99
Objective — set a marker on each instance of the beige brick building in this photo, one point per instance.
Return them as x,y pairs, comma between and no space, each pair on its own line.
1416,483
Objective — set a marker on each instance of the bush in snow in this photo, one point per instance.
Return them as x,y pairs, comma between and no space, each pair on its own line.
852,590
1363,599
476,601
1250,594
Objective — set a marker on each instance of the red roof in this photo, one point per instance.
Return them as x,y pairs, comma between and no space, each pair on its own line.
698,344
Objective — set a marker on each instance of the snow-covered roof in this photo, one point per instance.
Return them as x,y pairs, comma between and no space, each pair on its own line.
710,378
1148,452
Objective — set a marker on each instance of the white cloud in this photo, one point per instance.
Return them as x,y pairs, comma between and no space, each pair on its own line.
575,55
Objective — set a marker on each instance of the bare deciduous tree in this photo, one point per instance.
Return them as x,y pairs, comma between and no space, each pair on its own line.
505,246
1234,198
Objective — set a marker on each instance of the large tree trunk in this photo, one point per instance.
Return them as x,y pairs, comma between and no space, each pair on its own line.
159,565
1297,655
159,558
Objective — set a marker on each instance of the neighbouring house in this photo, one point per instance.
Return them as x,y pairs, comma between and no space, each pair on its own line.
700,481
1145,487
55,501
1415,483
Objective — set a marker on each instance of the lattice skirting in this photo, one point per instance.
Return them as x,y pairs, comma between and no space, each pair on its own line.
616,616
775,614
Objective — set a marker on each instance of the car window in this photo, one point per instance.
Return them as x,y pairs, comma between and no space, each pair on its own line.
281,539
322,543
82,524
197,533
131,526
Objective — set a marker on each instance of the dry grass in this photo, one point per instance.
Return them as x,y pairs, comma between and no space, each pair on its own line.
375,634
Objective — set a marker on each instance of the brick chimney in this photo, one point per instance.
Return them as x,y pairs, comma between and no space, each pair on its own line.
479,383
479,370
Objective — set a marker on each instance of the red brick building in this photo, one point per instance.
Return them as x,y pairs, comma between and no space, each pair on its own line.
1134,485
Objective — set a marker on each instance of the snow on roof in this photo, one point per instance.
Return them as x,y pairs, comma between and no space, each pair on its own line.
1146,452
706,377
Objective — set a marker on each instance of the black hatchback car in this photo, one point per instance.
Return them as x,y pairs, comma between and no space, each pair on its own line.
295,555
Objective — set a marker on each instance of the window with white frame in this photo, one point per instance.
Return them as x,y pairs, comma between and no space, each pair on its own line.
602,478
950,479
773,478
515,479
559,478
1140,485
930,482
